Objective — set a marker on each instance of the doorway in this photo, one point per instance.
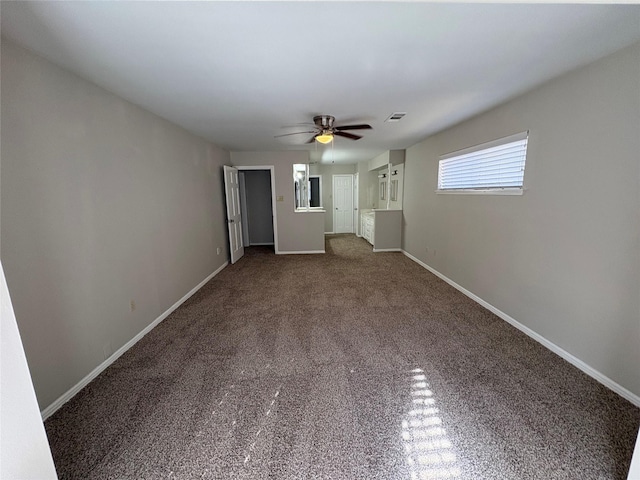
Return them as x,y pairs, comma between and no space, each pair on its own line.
254,195
257,213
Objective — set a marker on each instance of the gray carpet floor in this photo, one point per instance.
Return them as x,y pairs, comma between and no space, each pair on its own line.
348,365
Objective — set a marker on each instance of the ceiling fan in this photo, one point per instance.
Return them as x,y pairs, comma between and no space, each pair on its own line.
323,130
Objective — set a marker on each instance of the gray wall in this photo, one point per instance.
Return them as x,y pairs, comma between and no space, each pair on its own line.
258,200
102,203
564,258
297,232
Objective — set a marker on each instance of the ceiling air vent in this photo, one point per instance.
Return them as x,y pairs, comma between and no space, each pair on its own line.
395,117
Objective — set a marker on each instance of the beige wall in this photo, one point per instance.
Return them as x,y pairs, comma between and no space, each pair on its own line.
297,232
102,203
564,258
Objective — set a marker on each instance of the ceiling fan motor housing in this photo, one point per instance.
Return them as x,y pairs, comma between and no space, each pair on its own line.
324,121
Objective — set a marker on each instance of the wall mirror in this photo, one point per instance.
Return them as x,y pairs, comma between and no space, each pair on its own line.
315,191
307,188
394,191
300,185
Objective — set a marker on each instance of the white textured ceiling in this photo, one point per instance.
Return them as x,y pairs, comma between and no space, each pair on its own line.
236,73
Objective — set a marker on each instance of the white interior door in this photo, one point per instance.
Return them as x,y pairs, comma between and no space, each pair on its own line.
343,203
234,218
356,203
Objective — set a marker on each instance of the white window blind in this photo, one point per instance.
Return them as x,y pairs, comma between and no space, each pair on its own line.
491,166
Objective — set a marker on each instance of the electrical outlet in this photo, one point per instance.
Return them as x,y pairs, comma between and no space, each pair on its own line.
218,251
132,305
280,198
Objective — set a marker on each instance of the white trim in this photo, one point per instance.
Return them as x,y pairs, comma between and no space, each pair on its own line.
259,244
244,216
387,250
356,203
310,210
576,362
69,394
486,191
274,210
329,233
300,252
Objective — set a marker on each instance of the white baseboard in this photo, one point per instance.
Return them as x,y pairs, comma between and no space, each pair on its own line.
69,394
300,252
387,249
259,244
329,233
592,372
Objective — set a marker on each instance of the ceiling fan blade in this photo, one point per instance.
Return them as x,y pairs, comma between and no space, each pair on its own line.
347,135
295,133
300,125
311,140
353,127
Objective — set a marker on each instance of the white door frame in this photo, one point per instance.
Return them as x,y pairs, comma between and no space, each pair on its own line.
271,169
356,203
243,208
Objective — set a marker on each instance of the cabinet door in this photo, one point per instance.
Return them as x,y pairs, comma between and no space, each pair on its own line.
368,229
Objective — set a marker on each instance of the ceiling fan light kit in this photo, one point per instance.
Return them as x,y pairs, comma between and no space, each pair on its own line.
324,137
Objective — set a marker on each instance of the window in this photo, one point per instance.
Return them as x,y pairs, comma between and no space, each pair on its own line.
493,167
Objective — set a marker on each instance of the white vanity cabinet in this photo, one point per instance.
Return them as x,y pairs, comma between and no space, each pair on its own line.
367,226
382,229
